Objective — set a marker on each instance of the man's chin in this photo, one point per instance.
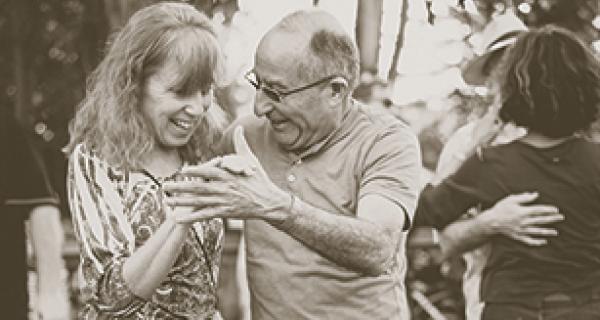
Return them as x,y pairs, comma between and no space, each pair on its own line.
287,140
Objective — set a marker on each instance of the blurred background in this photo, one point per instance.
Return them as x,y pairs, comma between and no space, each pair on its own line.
411,54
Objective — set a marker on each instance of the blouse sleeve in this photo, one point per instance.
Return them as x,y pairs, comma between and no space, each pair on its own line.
105,236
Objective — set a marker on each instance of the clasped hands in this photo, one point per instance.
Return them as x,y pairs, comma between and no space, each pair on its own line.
232,186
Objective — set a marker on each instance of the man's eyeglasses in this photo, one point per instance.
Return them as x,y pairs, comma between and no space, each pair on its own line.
278,95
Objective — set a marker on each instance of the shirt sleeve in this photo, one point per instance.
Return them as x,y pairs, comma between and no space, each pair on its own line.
105,236
443,204
392,169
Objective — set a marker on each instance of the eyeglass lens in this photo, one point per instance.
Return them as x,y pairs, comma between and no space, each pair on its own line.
257,83
271,94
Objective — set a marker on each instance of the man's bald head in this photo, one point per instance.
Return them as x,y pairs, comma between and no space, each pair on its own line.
322,45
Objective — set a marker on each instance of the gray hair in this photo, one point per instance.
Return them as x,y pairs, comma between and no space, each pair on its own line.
330,50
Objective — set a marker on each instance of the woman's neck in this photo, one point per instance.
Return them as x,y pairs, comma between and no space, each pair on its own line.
161,162
539,140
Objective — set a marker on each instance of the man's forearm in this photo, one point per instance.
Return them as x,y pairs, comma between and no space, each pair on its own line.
356,244
464,235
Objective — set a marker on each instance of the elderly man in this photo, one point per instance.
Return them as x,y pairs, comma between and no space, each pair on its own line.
328,189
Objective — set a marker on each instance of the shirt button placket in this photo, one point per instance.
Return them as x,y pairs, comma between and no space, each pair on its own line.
291,178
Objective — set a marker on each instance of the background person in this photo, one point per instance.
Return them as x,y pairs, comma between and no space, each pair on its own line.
509,216
25,193
559,280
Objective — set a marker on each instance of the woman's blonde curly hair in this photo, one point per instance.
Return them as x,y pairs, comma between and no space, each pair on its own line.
109,119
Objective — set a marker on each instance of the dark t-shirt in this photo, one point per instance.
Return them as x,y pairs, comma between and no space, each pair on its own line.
22,186
567,176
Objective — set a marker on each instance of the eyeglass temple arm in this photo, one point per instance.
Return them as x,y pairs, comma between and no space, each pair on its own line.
307,86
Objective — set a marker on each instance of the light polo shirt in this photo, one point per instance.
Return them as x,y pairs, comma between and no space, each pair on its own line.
368,154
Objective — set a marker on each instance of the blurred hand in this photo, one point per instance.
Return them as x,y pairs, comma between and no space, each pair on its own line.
481,133
486,129
235,186
514,218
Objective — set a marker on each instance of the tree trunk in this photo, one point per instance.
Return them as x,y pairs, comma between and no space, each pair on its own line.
368,34
21,31
393,72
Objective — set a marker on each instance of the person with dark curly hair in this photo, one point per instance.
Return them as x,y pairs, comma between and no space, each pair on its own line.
550,85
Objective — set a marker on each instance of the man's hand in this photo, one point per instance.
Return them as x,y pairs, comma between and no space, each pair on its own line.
235,186
487,127
513,218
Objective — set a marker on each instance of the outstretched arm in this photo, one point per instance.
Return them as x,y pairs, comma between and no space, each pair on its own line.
366,242
358,243
511,217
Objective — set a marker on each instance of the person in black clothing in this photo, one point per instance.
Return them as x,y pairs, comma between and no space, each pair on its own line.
26,194
551,86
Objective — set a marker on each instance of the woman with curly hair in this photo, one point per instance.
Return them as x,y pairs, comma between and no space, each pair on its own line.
550,85
146,113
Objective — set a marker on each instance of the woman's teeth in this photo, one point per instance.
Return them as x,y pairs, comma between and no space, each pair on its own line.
183,124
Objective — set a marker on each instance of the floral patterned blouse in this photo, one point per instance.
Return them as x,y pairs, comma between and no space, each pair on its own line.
115,212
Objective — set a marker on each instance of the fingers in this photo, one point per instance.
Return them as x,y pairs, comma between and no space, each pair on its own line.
237,165
539,231
214,162
241,146
521,198
204,201
531,241
207,171
239,142
542,209
193,187
544,219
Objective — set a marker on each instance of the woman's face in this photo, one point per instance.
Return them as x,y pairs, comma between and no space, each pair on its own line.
172,117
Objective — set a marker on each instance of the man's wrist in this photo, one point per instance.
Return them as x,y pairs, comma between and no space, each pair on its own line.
287,205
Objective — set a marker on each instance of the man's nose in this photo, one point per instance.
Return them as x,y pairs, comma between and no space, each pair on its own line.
262,104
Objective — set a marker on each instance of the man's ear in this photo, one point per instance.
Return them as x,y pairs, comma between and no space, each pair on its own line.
339,86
